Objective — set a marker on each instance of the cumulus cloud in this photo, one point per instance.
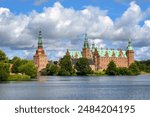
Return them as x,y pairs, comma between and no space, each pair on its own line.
64,28
143,53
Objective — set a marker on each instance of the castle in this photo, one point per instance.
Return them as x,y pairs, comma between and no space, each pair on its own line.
40,58
99,58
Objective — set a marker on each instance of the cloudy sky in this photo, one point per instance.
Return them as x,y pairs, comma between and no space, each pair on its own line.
109,23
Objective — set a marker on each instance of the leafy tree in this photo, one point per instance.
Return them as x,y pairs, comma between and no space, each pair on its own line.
52,69
28,69
63,72
111,69
134,69
3,57
82,66
4,71
144,65
122,71
16,61
66,67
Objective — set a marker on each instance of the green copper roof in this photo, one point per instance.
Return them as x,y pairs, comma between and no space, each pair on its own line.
129,47
40,39
86,44
75,54
102,53
93,46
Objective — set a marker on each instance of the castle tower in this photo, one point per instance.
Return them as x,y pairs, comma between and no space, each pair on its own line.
130,53
86,49
93,46
40,58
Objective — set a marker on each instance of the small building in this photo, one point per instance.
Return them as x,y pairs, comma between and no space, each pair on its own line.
99,58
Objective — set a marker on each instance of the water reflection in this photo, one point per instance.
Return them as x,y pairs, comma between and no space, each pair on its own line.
53,87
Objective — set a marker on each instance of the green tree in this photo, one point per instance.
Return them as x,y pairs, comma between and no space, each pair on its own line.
16,61
3,57
4,71
28,69
82,66
66,67
122,71
52,69
134,69
111,69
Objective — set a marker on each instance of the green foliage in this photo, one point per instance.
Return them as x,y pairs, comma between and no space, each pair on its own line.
3,57
144,66
66,67
4,66
134,69
4,71
100,73
82,67
24,66
111,69
19,77
52,70
17,62
123,71
28,69
63,72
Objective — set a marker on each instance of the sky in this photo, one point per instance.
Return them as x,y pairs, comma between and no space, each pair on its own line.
108,23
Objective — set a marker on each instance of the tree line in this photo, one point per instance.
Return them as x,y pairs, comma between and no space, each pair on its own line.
21,69
65,68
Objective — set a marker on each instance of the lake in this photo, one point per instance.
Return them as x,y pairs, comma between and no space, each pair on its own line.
78,88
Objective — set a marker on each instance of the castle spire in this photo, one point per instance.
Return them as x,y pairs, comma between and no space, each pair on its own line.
129,47
86,44
93,46
40,43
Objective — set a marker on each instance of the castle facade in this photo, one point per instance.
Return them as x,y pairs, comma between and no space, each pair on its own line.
100,58
40,58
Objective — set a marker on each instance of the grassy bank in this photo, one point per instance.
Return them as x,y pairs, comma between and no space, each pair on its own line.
19,77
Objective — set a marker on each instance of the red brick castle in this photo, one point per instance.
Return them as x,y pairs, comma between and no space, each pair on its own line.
40,58
99,58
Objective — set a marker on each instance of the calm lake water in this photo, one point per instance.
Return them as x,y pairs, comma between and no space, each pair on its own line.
83,88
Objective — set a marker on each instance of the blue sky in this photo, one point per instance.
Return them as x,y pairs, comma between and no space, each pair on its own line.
109,23
115,7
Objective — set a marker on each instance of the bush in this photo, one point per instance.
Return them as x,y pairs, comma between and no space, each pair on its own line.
122,71
111,69
82,66
4,71
28,69
63,72
66,67
19,77
134,69
52,70
3,57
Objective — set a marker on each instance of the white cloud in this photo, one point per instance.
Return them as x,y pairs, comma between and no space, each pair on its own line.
64,28
147,23
142,53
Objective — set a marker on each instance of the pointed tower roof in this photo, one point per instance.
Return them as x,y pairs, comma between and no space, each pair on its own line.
129,47
40,43
93,46
86,44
